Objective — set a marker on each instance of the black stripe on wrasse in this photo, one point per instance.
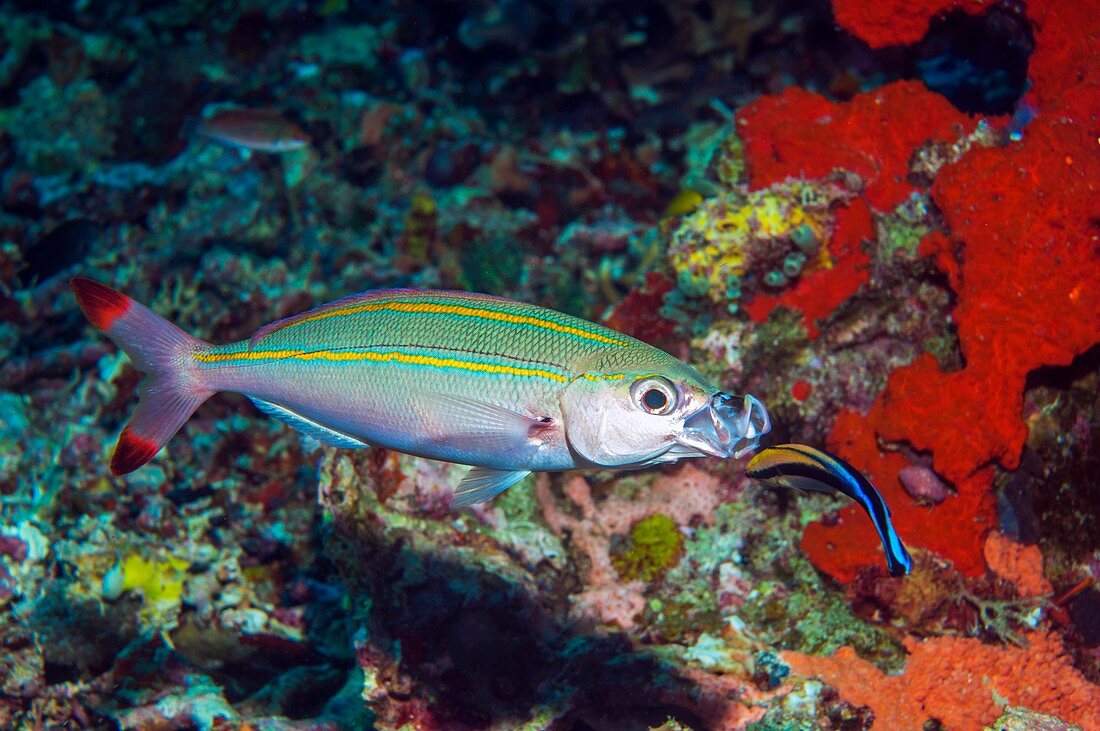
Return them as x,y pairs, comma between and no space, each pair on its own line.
830,471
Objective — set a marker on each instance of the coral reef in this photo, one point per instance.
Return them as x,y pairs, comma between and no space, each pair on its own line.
738,244
1002,306
1022,565
445,590
881,219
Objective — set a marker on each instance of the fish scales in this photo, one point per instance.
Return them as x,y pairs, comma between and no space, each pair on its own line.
391,358
446,319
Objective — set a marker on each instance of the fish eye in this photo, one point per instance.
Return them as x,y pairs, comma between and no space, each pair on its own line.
654,399
654,395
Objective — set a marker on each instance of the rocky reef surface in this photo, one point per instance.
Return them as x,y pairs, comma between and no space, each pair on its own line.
881,219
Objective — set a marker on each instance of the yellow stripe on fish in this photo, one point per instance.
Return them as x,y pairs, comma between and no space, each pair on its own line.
391,356
436,308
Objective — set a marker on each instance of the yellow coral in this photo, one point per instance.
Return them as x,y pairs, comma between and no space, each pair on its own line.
714,247
159,581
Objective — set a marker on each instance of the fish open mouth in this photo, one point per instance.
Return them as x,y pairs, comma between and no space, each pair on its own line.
728,426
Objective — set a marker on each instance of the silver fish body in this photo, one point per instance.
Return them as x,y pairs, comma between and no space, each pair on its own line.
506,387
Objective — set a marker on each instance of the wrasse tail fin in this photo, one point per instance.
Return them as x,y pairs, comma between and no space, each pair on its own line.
804,468
174,386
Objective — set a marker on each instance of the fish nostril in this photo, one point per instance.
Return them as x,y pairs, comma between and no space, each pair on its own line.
723,400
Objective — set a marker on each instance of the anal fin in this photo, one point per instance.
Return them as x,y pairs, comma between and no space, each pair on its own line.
481,484
308,426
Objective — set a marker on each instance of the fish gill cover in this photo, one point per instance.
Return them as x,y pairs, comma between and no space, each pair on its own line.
880,218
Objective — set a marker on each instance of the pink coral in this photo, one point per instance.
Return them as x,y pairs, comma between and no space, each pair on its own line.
688,495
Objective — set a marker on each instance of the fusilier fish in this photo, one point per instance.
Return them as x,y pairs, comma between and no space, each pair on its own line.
506,387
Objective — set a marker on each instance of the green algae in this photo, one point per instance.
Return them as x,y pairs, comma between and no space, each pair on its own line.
788,605
354,46
493,264
899,233
653,546
20,33
1062,493
801,612
684,615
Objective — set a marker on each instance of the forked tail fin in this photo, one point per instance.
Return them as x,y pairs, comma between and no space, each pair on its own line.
174,386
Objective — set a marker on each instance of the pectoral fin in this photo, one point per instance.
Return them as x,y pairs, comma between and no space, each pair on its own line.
802,484
806,468
481,484
479,426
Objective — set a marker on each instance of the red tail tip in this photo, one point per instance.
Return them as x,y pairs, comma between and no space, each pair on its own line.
101,304
132,452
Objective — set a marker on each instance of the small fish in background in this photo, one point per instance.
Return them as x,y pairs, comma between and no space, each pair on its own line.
803,467
260,130
686,201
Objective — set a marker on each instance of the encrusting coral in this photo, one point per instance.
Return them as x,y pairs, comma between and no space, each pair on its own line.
1022,565
690,495
1023,280
962,683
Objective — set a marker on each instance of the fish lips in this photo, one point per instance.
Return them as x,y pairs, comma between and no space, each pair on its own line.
728,426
